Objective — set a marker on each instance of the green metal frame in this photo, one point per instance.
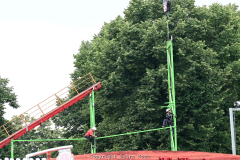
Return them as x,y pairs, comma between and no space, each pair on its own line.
92,118
171,90
12,148
171,105
81,139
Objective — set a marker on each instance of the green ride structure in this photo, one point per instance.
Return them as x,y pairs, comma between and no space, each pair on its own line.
171,105
90,87
171,86
92,118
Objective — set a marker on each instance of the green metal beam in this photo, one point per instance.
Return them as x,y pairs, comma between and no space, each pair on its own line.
80,139
93,118
171,89
123,134
12,156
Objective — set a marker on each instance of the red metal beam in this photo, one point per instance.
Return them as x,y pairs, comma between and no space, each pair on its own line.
50,114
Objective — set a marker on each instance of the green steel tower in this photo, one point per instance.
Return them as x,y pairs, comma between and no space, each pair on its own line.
92,117
171,87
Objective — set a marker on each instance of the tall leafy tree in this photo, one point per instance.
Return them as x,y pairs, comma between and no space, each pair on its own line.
7,96
128,57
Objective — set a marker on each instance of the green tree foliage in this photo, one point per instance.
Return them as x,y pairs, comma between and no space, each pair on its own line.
128,57
7,96
207,58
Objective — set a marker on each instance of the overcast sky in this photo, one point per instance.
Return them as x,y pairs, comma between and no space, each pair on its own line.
39,38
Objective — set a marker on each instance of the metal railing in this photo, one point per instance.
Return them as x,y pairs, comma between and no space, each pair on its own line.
18,122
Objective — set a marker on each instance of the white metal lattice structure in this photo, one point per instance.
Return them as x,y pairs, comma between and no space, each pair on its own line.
232,126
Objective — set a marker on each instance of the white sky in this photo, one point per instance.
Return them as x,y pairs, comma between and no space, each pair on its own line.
38,40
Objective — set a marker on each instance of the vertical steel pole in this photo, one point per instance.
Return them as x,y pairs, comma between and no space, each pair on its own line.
93,110
90,99
172,146
171,90
93,116
169,87
173,94
169,71
232,131
12,149
91,120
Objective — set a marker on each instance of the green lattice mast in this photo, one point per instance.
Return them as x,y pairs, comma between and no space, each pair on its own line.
171,87
92,117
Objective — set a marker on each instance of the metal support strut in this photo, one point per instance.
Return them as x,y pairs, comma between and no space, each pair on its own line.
92,117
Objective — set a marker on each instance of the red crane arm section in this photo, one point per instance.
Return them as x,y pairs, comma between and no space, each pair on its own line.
50,114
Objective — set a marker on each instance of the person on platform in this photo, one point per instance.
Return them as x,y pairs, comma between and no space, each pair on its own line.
89,135
169,119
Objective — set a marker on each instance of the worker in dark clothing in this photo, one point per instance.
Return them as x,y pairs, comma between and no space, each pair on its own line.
89,135
169,119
